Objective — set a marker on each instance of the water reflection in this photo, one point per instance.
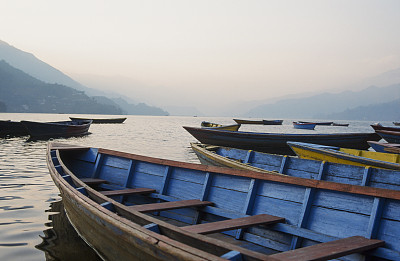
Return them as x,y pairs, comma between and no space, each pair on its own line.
60,240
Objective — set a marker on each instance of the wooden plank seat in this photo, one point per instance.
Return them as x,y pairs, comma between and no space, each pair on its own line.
170,205
330,250
91,181
123,192
230,224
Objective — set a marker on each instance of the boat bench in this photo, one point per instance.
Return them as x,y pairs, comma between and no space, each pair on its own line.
124,192
170,205
330,250
230,224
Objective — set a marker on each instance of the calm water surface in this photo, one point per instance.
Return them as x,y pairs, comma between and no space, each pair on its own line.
33,225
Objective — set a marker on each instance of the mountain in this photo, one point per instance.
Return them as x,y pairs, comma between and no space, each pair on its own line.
21,92
321,105
31,65
42,71
139,109
379,112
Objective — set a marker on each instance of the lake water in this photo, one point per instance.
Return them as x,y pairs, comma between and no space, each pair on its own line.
32,223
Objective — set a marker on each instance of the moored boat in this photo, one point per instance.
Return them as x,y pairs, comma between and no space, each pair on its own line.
378,126
100,120
272,122
232,127
259,122
47,130
385,147
326,123
12,129
346,156
194,212
294,166
276,142
396,123
389,136
304,126
340,124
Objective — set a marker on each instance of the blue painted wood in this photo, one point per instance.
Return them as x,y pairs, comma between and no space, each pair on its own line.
82,190
307,203
88,155
204,194
249,156
97,166
60,170
376,214
108,205
131,171
164,184
152,227
233,256
366,176
283,165
251,195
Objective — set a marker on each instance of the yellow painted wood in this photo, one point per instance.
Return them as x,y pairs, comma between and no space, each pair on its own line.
389,157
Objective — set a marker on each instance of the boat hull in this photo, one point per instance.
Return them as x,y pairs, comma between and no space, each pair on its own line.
100,121
304,126
385,147
343,156
293,166
389,136
276,143
12,129
259,122
46,130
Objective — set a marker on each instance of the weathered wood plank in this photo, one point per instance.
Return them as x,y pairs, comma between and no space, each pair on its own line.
330,250
230,224
123,192
91,181
170,205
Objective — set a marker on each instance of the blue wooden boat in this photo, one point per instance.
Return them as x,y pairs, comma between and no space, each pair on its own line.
294,166
346,156
385,147
276,142
389,136
56,129
12,129
132,207
304,125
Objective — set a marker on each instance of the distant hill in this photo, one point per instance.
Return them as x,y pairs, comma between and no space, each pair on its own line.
21,92
389,111
42,71
322,105
31,65
140,108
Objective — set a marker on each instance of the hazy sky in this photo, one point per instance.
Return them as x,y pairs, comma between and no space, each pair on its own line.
217,50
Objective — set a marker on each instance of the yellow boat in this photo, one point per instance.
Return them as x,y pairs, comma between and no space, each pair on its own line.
346,156
233,127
